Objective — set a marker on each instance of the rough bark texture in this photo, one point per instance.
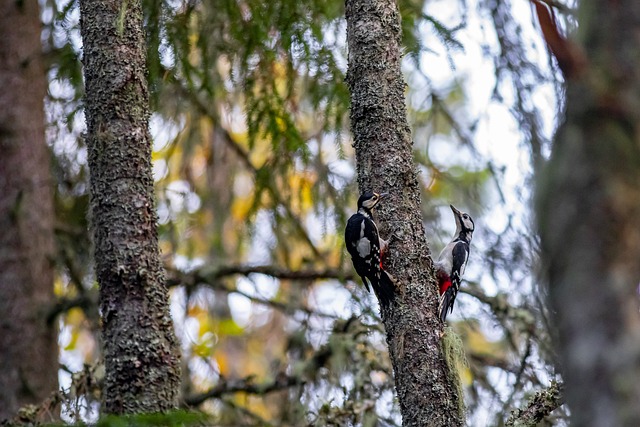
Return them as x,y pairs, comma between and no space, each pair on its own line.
589,219
426,391
28,352
141,355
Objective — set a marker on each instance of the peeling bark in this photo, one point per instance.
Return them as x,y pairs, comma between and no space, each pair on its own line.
426,389
28,350
140,349
589,220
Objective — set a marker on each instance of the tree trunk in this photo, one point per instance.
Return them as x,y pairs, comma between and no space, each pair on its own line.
28,352
589,219
426,388
140,350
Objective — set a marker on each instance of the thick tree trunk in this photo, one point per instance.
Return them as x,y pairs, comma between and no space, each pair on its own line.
141,355
28,352
426,389
589,219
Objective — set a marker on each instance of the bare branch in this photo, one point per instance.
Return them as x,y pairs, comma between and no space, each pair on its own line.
86,302
211,278
245,385
280,273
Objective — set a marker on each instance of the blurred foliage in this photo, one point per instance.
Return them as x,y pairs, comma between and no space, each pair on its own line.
254,169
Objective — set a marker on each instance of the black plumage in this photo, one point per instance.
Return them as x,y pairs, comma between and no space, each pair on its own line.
365,247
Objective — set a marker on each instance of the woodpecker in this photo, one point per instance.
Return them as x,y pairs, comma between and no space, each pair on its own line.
452,262
366,248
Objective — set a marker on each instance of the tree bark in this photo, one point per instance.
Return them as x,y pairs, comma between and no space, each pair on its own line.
426,388
589,220
140,350
28,355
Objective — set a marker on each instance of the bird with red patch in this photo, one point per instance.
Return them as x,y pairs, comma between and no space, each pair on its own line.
453,261
367,249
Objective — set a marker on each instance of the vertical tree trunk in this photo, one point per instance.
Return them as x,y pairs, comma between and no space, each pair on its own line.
141,355
589,219
28,352
426,389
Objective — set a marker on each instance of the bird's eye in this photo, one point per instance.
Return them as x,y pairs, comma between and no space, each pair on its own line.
465,216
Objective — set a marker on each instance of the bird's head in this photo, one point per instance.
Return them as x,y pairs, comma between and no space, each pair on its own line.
464,223
368,201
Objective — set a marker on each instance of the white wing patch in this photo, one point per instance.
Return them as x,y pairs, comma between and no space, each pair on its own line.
364,244
464,264
364,247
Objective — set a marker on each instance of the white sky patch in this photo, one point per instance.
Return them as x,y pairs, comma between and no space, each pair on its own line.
181,198
260,286
243,184
260,250
160,169
331,297
241,309
163,131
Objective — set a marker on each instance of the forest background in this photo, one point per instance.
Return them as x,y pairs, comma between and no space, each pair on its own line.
254,178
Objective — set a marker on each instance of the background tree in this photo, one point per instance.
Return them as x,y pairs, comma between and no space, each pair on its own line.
589,216
140,350
28,360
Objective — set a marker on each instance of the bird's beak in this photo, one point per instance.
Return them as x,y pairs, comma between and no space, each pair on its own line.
456,212
382,195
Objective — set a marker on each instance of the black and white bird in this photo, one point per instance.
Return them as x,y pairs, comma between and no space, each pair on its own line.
453,261
367,249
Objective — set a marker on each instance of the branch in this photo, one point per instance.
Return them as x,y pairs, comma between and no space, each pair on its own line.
245,385
87,302
211,278
501,308
540,405
571,59
307,371
279,272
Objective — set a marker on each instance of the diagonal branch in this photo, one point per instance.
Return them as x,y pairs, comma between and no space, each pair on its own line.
541,404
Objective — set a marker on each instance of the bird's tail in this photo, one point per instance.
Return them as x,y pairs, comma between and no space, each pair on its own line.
385,288
446,302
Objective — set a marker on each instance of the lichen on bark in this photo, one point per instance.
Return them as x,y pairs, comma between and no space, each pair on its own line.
384,161
140,348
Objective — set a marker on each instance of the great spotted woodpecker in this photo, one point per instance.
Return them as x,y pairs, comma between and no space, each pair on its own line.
452,262
366,248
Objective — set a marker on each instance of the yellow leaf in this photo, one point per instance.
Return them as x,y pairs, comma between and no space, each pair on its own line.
75,317
203,348
223,364
229,327
240,208
73,341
